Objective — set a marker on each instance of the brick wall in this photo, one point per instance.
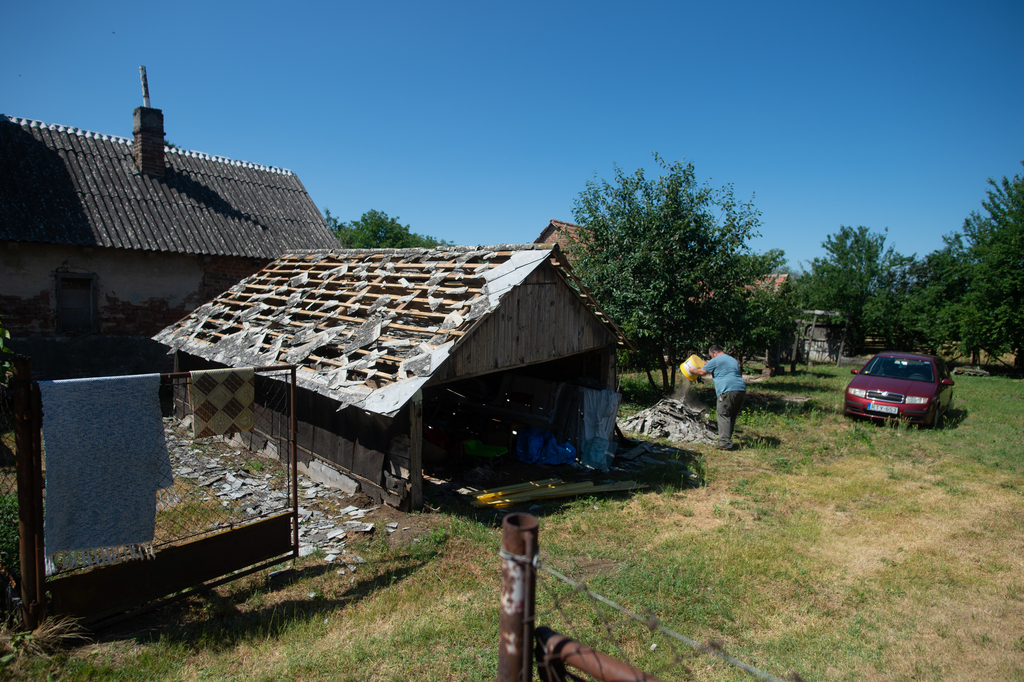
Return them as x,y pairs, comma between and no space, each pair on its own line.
25,316
147,318
220,273
35,314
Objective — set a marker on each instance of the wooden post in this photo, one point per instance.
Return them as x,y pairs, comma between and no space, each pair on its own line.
416,451
796,341
810,341
26,439
518,585
842,342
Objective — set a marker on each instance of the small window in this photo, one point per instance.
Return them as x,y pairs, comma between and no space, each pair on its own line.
75,303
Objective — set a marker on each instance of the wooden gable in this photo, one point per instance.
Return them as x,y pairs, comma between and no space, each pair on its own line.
540,320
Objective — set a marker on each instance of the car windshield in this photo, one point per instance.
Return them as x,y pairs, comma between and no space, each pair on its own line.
901,368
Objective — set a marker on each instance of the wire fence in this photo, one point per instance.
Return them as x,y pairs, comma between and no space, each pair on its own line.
9,569
223,482
579,634
641,641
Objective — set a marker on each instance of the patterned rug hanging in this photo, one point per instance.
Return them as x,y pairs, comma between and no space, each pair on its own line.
222,401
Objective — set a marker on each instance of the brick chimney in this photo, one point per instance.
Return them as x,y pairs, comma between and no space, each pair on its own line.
148,126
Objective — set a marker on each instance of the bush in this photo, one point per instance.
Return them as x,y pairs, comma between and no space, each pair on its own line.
10,561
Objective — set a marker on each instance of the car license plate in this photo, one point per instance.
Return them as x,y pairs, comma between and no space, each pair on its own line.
888,409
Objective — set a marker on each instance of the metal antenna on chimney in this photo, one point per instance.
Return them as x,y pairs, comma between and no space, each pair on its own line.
145,87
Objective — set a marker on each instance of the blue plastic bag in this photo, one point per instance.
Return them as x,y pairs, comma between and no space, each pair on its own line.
539,447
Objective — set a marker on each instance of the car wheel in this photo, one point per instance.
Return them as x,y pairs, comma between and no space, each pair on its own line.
936,417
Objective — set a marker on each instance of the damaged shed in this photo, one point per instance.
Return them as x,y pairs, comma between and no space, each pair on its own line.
463,344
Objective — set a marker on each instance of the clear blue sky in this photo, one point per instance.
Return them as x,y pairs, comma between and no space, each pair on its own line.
478,122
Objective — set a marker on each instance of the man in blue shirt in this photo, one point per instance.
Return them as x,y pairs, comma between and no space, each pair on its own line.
730,389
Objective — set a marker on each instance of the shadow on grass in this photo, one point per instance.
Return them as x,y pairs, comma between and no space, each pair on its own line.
954,418
223,624
675,470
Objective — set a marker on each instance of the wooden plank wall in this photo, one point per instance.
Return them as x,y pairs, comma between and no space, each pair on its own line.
539,321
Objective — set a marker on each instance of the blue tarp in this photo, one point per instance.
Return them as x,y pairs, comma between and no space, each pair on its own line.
539,447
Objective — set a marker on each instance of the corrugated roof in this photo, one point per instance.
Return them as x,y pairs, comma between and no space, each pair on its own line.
368,326
64,185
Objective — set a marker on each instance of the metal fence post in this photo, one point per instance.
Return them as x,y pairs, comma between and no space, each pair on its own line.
558,649
518,585
26,439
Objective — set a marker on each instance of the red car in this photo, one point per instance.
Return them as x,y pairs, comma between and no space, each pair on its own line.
907,386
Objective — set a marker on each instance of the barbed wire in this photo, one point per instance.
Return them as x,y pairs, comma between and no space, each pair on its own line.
651,622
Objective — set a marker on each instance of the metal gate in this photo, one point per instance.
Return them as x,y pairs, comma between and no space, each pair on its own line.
211,531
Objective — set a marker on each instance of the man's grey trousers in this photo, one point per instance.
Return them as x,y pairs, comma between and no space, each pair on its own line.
729,405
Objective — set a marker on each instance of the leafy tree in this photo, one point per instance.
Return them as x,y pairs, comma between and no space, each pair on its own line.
376,230
933,308
767,311
994,251
863,278
665,258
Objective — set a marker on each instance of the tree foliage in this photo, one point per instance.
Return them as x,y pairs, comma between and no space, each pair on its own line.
993,249
964,297
932,308
767,312
376,230
862,277
667,258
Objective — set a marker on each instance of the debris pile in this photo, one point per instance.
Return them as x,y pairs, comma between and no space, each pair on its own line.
972,371
674,420
213,476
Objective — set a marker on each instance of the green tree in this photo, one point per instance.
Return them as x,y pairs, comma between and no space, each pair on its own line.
862,277
664,257
376,230
994,251
767,312
933,308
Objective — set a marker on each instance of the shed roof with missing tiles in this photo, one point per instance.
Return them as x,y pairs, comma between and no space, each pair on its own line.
64,185
368,327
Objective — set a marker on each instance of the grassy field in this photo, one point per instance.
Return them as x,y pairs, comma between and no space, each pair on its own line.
833,549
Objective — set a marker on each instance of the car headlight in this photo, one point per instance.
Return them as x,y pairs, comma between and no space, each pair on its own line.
859,392
916,400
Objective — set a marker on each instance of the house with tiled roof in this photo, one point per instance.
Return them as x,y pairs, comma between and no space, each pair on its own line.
557,232
106,240
475,343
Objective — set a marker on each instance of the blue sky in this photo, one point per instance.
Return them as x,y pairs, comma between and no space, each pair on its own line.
478,122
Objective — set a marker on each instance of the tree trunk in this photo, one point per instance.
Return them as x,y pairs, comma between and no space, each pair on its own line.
650,380
664,372
673,363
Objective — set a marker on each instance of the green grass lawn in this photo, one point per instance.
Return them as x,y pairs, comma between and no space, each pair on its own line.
839,550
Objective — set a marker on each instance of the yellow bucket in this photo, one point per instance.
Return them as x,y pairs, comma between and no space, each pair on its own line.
693,362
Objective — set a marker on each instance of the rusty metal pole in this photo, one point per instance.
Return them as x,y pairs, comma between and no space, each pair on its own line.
558,649
515,621
21,382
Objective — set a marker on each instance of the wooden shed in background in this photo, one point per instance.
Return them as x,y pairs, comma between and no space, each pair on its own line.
469,341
